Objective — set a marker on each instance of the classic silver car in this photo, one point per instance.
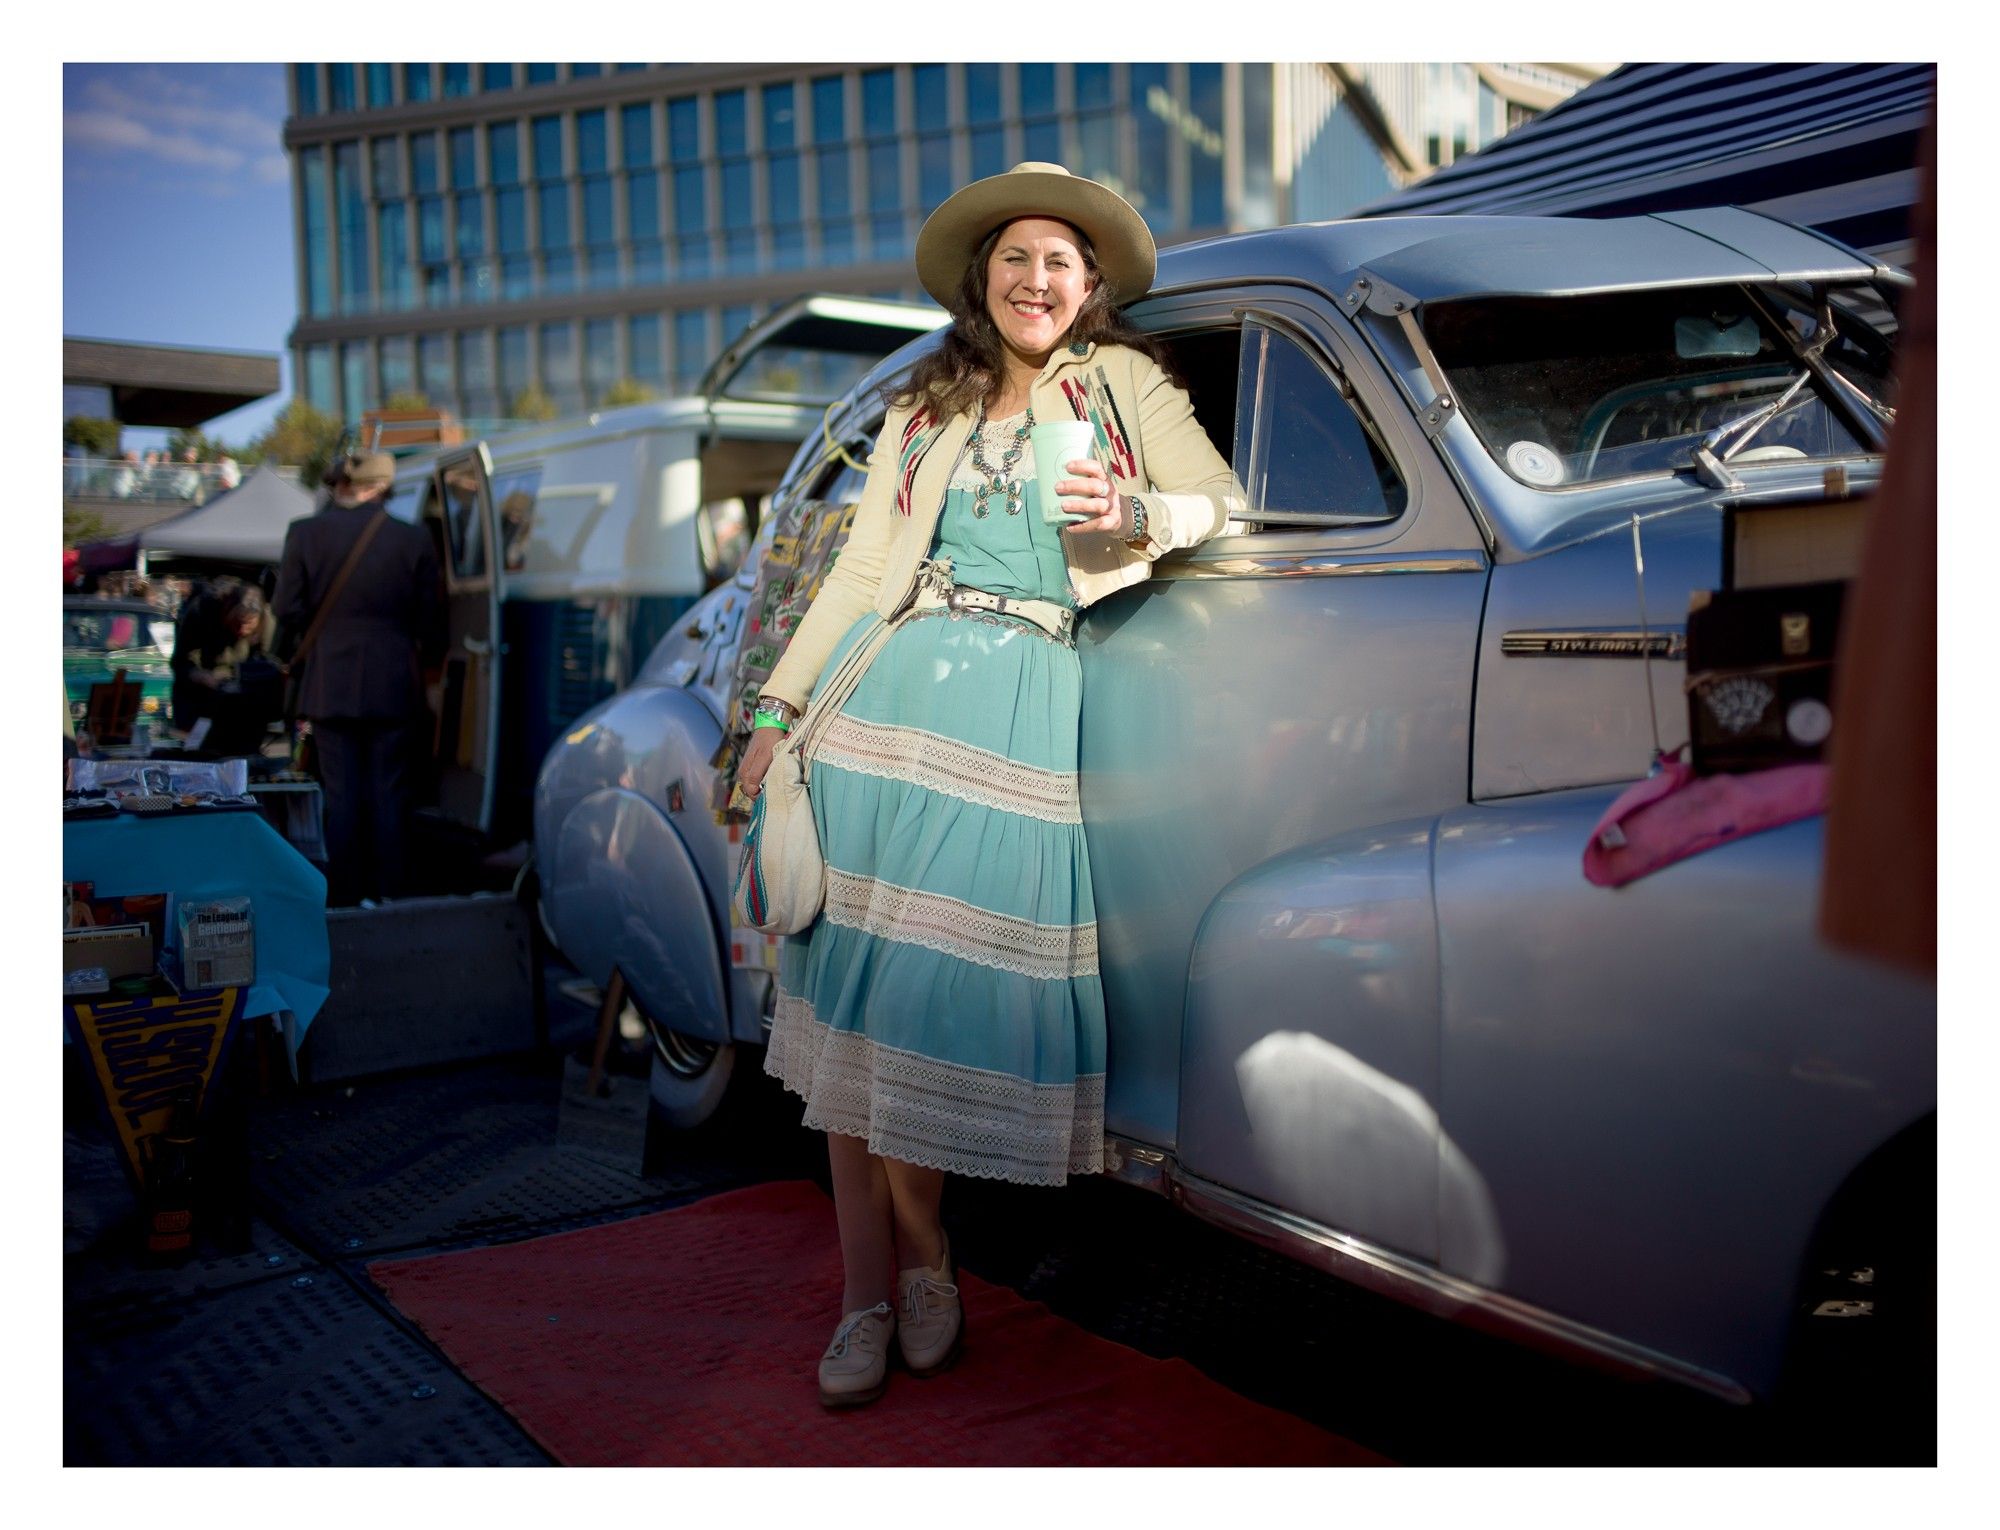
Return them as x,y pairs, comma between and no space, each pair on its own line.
1363,1005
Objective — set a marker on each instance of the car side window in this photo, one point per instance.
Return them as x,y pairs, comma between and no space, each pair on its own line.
463,533
1304,452
840,481
514,495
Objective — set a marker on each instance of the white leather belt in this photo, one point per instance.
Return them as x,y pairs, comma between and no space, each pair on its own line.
936,591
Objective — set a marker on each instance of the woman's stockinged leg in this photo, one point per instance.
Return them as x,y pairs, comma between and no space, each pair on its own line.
916,1194
863,1208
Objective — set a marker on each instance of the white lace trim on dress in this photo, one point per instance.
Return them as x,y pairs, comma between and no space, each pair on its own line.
957,928
946,765
936,1114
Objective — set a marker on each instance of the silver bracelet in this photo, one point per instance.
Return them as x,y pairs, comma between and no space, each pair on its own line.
783,709
1138,513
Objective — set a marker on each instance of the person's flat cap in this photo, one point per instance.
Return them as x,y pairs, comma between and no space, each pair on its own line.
371,467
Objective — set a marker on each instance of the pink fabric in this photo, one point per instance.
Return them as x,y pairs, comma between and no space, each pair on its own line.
1675,814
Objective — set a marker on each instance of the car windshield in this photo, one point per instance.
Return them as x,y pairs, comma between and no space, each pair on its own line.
111,631
1611,385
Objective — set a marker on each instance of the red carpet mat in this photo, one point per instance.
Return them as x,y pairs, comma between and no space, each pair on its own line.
691,1338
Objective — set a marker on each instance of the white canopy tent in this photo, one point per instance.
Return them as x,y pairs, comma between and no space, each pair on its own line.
246,525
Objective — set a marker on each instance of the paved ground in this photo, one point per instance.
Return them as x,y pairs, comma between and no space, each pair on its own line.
286,1354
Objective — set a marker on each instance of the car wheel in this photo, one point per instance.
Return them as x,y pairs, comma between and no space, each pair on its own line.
1861,1370
528,892
690,1076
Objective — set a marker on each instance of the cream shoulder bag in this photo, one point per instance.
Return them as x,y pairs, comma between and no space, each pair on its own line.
781,874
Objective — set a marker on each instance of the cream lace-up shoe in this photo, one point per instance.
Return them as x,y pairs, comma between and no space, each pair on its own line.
931,1322
855,1367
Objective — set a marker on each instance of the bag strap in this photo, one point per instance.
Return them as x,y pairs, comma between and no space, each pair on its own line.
333,590
832,696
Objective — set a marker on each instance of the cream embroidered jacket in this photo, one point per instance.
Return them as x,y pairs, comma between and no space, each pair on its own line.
1147,436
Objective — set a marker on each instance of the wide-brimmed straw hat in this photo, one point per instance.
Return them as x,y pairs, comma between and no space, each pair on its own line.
1118,235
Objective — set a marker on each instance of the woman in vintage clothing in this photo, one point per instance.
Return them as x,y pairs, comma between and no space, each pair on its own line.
944,1013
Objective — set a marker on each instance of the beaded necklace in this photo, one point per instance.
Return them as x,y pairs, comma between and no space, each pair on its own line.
1000,481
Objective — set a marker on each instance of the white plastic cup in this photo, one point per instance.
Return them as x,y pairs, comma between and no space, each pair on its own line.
1056,445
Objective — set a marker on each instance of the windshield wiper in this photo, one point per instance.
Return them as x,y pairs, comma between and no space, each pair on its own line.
1713,470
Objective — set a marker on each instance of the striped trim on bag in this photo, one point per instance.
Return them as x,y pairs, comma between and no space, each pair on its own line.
750,887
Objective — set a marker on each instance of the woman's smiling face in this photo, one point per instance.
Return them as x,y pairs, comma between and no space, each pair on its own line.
1036,282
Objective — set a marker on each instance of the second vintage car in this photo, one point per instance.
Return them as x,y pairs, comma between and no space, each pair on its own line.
1362,1004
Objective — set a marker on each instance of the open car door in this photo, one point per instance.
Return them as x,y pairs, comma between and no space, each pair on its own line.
468,701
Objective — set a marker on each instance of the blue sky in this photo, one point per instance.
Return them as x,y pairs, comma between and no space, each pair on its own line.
177,225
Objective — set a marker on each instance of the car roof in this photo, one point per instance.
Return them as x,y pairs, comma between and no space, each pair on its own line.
1443,258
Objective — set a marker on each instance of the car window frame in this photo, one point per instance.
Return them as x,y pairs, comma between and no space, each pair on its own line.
1345,392
1317,327
484,577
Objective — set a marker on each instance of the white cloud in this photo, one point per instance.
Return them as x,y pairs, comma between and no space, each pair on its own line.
106,130
154,96
153,114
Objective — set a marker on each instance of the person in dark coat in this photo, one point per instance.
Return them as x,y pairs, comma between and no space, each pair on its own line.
362,682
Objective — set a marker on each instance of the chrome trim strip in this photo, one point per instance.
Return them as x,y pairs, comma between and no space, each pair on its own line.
1319,565
1132,1163
1596,643
1399,1277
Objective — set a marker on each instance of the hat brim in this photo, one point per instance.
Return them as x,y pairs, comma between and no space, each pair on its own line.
1119,238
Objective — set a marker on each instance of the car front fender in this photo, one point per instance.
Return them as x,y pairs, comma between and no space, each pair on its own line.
633,899
633,865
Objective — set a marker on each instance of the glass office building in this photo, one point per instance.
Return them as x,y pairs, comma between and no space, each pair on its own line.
469,232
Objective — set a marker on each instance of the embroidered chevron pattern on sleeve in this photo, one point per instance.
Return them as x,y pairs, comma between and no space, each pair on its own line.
957,928
946,765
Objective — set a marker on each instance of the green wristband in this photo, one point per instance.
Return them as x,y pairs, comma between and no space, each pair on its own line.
769,720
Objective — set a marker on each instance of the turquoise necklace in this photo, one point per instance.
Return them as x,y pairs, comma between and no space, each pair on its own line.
1000,481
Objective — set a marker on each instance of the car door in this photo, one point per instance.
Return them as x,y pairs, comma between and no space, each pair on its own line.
468,708
1306,677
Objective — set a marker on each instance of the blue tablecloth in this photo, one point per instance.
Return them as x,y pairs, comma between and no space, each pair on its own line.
214,856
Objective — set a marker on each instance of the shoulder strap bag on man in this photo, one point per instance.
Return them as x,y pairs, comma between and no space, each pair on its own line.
781,876
295,667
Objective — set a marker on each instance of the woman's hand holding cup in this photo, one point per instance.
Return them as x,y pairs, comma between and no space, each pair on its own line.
1074,490
1088,492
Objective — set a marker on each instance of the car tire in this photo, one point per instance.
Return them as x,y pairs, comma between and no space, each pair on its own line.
528,893
1862,1388
691,1077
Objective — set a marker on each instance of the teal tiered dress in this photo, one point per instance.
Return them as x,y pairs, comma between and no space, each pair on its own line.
946,1005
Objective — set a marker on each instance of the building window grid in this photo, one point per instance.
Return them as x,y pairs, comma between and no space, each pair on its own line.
307,90
316,230
1020,129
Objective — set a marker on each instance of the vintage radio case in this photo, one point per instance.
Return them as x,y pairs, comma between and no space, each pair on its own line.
1760,675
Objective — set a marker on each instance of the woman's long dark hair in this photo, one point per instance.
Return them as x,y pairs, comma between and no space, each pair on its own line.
966,370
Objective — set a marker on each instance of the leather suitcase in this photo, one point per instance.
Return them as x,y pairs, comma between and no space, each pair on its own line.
1760,675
